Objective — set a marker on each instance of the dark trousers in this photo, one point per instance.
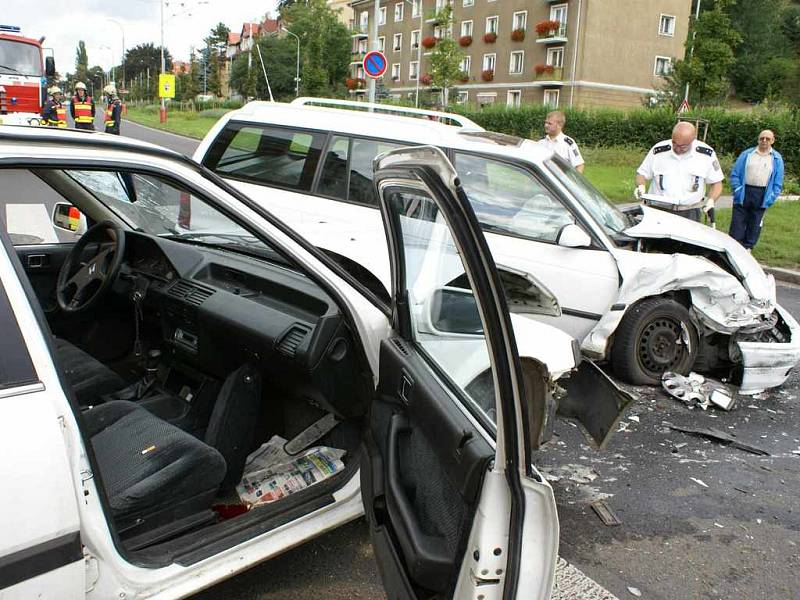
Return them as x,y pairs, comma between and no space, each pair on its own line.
86,126
747,217
693,214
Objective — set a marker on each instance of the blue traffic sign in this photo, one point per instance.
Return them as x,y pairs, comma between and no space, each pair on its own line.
374,64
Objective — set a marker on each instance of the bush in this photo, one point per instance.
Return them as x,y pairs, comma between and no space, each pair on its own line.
729,132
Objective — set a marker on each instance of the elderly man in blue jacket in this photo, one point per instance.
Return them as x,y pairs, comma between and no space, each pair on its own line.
757,180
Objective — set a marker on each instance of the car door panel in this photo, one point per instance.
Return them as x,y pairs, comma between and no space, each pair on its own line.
42,264
432,467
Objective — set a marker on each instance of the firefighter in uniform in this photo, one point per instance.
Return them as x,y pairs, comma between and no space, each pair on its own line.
678,171
54,113
561,144
113,116
82,108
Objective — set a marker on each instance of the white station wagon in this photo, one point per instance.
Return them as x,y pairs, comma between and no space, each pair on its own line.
145,360
645,290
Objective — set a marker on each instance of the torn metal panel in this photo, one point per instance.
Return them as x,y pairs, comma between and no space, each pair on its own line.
768,364
696,390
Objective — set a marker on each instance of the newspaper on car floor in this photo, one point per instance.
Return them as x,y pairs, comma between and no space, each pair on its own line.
271,473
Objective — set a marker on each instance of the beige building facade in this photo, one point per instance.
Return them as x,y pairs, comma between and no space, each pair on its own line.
557,52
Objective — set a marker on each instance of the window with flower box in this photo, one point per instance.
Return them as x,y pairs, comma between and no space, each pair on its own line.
555,57
520,20
466,28
466,64
492,24
489,61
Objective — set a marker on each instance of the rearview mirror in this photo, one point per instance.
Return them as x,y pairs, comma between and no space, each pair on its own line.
49,66
68,218
572,236
453,310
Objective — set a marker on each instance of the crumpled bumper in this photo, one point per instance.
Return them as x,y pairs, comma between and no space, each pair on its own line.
767,364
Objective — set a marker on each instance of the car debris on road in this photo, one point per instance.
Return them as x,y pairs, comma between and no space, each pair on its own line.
697,390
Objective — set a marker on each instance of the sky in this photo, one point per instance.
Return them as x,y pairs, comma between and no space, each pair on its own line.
64,24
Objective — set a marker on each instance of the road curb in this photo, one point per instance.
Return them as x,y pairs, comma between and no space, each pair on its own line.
180,135
786,275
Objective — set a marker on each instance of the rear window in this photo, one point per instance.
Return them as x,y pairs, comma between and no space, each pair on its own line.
266,155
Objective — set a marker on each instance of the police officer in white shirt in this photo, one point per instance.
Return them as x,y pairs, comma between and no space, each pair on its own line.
558,143
679,170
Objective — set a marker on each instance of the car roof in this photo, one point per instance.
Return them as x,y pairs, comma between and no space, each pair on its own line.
389,127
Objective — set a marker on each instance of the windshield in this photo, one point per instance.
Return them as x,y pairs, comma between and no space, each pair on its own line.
152,205
20,58
609,216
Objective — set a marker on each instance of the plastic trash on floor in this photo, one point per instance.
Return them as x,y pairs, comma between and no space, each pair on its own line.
272,474
696,390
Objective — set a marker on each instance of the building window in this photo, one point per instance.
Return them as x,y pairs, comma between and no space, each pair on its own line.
395,71
362,46
415,8
382,43
462,98
517,62
360,72
491,24
666,25
466,28
486,99
466,64
559,13
663,66
415,39
555,57
551,98
468,2
489,61
442,32
398,12
413,70
520,20
382,16
514,98
363,20
440,4
397,42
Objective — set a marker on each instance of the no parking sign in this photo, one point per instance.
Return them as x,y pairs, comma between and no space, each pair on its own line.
374,64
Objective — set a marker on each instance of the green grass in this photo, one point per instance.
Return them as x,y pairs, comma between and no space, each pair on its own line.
777,245
190,124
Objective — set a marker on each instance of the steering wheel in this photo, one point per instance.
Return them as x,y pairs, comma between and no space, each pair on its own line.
80,286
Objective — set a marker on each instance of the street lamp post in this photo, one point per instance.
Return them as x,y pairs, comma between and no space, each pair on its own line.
417,4
122,31
162,113
297,68
111,71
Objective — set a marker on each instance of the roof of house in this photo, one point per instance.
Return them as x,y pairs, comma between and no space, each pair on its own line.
233,38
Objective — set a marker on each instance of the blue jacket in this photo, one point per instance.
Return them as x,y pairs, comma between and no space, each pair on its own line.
774,185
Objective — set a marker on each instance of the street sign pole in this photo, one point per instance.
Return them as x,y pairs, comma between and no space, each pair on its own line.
375,46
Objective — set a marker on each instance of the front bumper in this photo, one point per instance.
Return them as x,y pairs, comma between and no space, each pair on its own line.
767,365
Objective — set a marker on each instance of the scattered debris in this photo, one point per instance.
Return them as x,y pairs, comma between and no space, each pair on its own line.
718,436
696,390
718,525
744,491
605,513
635,591
699,482
634,418
572,472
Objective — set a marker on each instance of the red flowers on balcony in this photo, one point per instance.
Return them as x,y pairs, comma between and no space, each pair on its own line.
353,83
487,75
547,28
428,42
465,40
426,79
490,38
518,35
464,78
544,69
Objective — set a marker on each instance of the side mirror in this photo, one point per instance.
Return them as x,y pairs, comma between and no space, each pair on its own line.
68,218
572,236
49,66
453,310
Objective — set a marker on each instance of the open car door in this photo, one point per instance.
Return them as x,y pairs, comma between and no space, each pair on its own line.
452,498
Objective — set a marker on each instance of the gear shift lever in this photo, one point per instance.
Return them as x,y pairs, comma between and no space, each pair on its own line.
151,365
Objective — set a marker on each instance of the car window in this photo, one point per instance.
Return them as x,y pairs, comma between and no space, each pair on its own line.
445,321
508,199
362,153
333,179
32,212
16,367
266,155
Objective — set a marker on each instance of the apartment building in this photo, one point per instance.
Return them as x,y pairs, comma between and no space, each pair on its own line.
556,52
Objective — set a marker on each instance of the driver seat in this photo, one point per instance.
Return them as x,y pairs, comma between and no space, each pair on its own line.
88,377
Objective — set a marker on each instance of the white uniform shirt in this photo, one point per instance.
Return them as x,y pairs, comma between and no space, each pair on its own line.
565,147
681,178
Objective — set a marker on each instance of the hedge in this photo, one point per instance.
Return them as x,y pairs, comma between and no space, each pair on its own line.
729,131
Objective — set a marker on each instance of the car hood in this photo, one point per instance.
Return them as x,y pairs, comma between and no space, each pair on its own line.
658,224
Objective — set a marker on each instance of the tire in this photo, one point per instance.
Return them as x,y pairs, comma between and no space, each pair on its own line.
645,345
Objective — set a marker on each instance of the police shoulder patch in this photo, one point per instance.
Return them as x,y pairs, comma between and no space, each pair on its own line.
704,150
662,148
569,140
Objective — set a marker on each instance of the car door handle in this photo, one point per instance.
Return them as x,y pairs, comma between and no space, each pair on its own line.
37,261
428,560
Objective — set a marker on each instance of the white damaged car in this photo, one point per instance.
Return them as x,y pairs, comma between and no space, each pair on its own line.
645,290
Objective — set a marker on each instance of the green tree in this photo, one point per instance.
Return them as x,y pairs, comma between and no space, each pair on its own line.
81,62
710,55
324,46
214,57
279,61
445,66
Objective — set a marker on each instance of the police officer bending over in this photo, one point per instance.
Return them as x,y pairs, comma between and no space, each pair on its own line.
679,170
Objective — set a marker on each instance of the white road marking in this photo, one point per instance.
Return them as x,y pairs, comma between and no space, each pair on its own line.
573,584
30,219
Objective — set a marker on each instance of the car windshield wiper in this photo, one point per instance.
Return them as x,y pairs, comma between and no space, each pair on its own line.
12,69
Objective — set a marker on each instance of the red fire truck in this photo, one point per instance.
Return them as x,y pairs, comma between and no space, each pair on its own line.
23,77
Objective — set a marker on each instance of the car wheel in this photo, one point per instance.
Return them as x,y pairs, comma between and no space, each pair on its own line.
655,336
